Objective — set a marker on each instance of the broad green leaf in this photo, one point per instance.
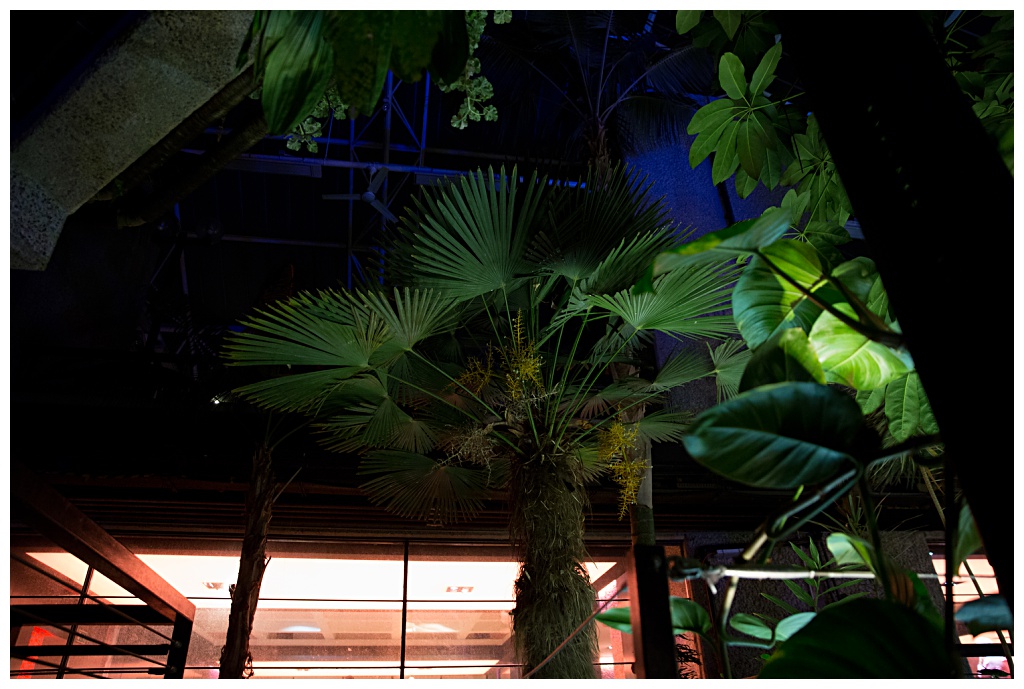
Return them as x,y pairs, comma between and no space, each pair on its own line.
616,618
712,116
745,184
986,614
414,35
362,42
905,406
852,359
298,66
778,436
788,626
787,356
686,20
731,242
726,160
864,639
730,74
708,140
967,539
851,551
687,616
765,303
870,400
751,625
750,147
765,72
730,21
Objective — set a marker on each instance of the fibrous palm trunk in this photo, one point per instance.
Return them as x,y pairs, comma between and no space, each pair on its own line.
235,659
553,592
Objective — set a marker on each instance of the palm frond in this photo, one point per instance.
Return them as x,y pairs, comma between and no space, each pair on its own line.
412,315
646,122
466,238
289,334
683,71
664,426
587,221
623,265
729,360
313,393
683,367
685,303
412,485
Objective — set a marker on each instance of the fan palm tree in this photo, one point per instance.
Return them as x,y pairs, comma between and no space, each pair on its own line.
489,366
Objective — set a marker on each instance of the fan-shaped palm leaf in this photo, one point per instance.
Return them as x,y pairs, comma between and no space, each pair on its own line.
685,366
413,485
684,302
664,426
729,359
466,239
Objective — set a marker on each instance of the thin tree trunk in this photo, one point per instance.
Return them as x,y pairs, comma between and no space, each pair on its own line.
553,592
235,658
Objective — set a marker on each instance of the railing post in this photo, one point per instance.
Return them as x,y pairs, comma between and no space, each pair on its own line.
651,619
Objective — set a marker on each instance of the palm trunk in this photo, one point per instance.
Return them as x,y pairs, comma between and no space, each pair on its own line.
553,592
235,658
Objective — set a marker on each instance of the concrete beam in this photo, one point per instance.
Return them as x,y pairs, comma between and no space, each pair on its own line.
138,91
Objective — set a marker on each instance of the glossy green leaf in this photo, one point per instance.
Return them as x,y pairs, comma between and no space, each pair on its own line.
852,359
730,21
687,616
787,356
851,551
864,639
907,407
687,19
870,400
298,65
788,626
987,614
362,42
726,159
765,303
450,52
750,147
731,242
778,436
730,74
745,184
751,625
414,35
711,116
967,539
765,72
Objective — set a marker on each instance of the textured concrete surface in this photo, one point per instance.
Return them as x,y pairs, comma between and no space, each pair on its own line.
170,64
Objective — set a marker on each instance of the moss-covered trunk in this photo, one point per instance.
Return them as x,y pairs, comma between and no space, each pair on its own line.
553,591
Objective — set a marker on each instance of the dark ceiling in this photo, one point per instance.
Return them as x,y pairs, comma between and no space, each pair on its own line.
115,346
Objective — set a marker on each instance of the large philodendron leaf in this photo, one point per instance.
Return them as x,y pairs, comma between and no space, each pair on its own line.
864,639
788,356
412,485
765,303
362,42
852,359
907,408
778,436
